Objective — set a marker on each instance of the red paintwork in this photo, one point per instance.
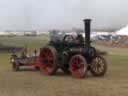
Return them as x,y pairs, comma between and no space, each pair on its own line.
46,56
27,64
74,65
36,63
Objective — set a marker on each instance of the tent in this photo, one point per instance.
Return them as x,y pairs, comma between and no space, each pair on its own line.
123,31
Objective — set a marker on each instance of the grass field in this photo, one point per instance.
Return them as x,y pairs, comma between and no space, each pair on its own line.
33,83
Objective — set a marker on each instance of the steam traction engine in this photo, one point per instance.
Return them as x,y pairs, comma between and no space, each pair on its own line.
72,56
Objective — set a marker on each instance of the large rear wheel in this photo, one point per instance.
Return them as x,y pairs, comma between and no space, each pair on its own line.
98,66
78,66
48,60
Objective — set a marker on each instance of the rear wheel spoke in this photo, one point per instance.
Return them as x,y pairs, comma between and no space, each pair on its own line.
48,60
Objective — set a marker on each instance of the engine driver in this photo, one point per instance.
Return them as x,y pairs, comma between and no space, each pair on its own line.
80,39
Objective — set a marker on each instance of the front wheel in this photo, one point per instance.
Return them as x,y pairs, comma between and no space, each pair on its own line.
98,66
78,66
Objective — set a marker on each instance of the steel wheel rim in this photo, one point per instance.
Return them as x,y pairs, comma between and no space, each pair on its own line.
77,67
47,61
98,65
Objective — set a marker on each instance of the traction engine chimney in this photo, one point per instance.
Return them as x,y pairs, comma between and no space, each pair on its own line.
87,28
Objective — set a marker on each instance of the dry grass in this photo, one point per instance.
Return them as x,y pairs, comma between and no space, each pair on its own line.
114,50
33,83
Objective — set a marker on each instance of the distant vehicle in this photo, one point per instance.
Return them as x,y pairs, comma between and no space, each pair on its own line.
103,37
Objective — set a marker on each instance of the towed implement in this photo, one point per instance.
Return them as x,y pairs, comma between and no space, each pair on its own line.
24,60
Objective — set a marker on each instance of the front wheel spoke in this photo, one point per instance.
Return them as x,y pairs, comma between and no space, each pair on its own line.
98,69
95,68
100,62
98,66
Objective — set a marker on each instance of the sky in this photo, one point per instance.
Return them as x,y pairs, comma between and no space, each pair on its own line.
62,14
